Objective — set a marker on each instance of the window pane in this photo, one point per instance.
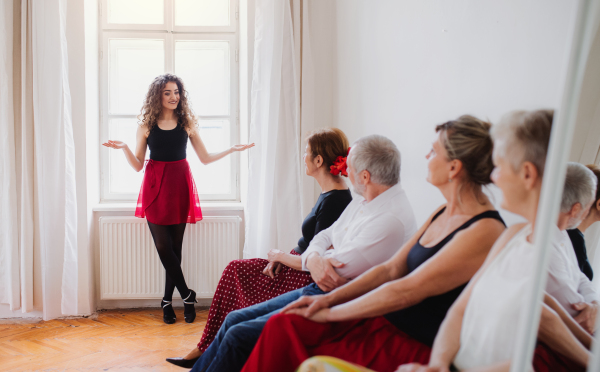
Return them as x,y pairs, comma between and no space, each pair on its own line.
214,178
123,179
204,68
150,12
202,12
133,64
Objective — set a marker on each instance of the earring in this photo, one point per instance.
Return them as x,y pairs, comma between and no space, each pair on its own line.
450,180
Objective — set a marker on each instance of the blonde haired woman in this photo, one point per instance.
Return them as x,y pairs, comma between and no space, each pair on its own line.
168,198
480,330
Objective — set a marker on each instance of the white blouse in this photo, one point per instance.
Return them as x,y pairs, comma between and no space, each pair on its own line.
495,309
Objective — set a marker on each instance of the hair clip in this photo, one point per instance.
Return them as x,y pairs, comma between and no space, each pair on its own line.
339,166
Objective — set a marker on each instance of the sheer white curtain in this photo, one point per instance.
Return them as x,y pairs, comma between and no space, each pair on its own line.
273,211
38,206
9,256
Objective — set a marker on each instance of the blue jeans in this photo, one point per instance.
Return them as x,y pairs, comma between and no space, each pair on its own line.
240,331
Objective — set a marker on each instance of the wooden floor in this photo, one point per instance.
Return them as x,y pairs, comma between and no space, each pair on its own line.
116,340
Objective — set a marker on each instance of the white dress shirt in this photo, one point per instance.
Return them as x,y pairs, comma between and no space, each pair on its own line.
366,234
566,282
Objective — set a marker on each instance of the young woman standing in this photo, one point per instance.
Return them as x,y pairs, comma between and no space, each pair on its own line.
168,198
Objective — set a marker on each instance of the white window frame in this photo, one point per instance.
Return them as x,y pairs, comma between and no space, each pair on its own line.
170,34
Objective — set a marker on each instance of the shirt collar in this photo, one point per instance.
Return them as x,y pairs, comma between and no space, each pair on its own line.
382,199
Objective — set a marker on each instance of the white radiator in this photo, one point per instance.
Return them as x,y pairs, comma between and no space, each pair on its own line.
130,267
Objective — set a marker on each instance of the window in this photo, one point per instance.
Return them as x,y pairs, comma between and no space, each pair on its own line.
194,39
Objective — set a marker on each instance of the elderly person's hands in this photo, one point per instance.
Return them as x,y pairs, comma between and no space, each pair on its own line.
322,270
587,315
274,266
307,306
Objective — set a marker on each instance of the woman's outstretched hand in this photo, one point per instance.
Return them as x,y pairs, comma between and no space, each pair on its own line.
241,147
115,144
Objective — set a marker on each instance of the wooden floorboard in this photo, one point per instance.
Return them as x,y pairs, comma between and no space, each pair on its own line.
115,341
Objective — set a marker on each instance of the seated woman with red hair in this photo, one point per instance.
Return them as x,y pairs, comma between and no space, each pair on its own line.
248,282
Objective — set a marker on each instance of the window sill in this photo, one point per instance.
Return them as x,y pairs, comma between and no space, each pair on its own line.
206,206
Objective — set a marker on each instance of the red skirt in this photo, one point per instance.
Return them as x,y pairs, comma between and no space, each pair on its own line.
288,340
243,284
168,195
374,343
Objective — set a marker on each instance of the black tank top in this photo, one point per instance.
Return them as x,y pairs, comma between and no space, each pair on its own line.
168,145
423,320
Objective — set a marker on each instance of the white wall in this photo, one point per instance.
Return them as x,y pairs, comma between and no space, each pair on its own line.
401,67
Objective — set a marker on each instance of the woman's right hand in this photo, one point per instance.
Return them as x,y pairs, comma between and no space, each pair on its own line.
272,269
115,144
307,306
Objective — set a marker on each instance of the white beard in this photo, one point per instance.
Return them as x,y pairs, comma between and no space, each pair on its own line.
359,189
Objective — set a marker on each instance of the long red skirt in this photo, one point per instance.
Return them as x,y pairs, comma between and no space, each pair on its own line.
288,340
243,284
168,194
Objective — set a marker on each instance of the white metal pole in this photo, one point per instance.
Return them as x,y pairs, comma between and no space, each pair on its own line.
553,182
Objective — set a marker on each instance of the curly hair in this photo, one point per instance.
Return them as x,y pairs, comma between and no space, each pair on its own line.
153,104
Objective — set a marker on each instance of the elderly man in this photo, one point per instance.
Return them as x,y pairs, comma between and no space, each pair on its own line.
369,232
566,283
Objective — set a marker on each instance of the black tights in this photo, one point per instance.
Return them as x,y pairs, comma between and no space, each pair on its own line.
169,240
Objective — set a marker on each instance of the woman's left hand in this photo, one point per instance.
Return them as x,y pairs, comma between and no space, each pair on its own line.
274,255
241,147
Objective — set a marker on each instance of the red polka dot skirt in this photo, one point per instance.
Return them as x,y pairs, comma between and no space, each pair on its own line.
243,284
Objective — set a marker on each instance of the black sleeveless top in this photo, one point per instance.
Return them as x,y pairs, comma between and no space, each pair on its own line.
326,211
423,320
168,145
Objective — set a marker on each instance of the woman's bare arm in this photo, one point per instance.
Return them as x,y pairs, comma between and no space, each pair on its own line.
582,336
451,267
289,260
206,157
554,333
562,333
135,160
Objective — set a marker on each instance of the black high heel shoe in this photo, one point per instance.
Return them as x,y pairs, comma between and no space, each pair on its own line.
189,312
185,363
168,312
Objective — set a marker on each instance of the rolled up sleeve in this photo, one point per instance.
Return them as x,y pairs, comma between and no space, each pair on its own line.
377,242
319,244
